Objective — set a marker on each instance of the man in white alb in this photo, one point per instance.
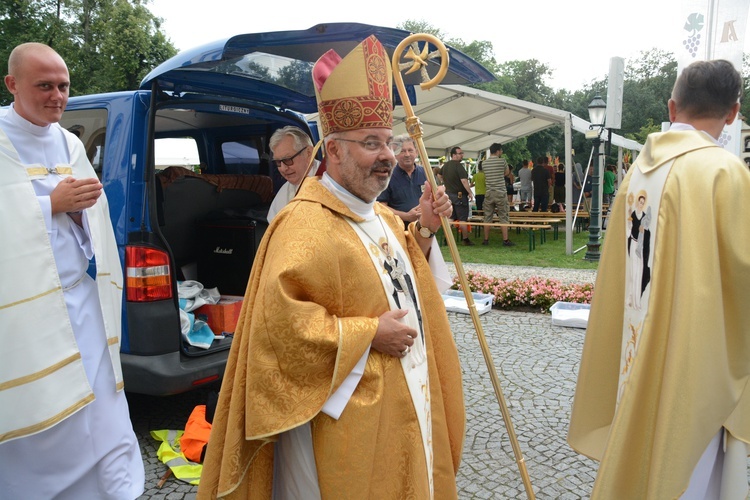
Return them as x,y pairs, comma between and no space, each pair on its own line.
65,431
291,148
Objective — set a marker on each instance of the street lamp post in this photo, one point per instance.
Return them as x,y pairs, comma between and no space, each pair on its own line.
597,110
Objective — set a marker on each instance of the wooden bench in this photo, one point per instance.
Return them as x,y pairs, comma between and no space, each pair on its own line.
555,223
531,229
549,216
518,218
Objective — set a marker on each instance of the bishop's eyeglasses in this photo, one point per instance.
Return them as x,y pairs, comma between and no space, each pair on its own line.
374,145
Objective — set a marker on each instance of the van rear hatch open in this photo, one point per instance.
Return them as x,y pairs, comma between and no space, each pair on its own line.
204,222
274,68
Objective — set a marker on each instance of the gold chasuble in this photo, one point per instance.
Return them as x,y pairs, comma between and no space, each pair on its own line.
310,313
666,360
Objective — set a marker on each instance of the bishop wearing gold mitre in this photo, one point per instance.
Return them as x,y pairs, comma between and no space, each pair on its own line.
343,379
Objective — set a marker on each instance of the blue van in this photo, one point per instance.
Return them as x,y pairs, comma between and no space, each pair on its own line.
173,223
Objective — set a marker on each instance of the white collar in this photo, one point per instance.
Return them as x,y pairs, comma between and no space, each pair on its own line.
678,126
13,118
359,207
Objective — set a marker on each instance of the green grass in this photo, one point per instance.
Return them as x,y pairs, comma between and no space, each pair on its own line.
550,254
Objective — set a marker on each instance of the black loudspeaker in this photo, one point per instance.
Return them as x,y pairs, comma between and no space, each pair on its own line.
227,251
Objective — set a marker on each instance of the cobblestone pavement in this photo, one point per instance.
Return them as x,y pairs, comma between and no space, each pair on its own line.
536,364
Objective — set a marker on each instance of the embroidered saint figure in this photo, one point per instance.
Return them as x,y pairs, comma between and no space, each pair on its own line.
639,247
401,280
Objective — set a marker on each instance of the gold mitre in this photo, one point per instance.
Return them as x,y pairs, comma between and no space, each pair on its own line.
354,92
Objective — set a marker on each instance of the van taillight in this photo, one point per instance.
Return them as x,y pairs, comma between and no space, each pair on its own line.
147,274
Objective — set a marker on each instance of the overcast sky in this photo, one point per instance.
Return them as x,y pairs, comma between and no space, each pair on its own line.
575,38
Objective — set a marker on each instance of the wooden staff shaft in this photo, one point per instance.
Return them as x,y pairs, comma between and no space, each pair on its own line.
414,128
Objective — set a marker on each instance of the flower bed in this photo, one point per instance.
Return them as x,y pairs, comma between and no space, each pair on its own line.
536,293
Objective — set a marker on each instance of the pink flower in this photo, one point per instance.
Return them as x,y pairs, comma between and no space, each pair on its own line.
536,292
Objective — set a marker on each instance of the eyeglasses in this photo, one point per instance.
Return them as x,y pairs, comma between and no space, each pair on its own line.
290,159
375,146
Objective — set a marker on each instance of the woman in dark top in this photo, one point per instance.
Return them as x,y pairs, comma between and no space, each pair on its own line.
560,184
509,180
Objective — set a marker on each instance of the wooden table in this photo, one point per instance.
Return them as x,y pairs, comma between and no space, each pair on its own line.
548,216
530,228
520,218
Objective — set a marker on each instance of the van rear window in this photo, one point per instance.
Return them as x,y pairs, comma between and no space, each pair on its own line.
177,152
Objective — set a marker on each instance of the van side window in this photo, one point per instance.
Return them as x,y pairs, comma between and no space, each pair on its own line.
244,157
90,126
95,151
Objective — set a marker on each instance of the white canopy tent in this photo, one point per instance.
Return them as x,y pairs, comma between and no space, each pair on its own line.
457,115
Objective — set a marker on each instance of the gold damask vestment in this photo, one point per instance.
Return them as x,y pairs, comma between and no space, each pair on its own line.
310,312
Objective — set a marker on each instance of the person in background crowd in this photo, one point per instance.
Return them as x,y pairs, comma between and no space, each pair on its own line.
551,189
292,150
407,182
526,188
588,186
456,181
438,177
510,179
608,190
560,185
65,429
496,170
663,393
480,187
577,184
541,182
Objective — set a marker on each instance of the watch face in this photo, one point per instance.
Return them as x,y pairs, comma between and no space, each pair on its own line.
425,232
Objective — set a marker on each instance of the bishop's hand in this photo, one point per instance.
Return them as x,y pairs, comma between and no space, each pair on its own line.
433,210
392,336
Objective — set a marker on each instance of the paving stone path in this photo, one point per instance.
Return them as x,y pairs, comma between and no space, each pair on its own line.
537,365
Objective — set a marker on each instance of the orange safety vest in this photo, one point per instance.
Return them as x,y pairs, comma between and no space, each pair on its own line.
197,431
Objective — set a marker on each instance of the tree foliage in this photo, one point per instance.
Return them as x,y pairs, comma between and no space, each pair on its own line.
297,76
422,26
108,45
111,45
648,82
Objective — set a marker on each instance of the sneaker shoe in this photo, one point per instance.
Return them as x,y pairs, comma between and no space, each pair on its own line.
468,242
485,242
508,243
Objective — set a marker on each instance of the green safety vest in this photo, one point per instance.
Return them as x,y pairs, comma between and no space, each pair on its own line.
169,452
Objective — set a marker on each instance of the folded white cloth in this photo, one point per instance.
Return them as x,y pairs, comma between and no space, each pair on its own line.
192,295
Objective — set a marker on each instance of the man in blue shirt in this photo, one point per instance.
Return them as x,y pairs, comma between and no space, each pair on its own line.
407,182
